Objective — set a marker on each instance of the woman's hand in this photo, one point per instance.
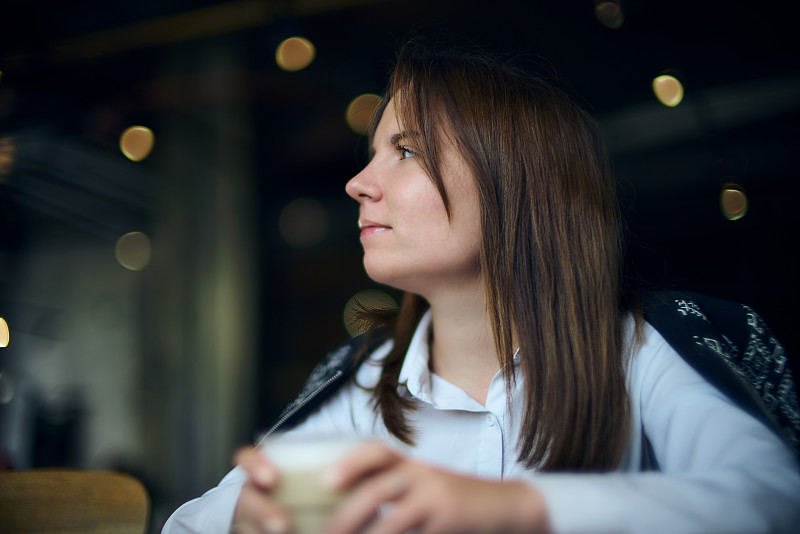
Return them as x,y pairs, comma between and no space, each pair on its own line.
426,499
256,511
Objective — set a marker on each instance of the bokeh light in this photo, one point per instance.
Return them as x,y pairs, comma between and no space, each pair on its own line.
133,251
370,298
295,53
303,222
360,110
5,334
609,14
668,90
7,150
733,202
136,142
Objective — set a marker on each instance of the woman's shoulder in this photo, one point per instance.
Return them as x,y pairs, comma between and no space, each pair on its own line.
727,344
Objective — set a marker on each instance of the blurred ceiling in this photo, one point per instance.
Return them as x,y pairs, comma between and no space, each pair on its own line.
91,65
82,63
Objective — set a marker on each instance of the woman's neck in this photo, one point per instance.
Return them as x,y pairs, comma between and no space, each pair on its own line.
462,349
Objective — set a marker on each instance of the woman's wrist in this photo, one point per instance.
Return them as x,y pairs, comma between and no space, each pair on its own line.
530,510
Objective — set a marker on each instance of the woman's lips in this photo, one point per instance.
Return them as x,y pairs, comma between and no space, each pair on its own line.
369,227
369,230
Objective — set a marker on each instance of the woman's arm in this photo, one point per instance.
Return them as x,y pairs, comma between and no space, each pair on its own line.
721,469
722,472
212,513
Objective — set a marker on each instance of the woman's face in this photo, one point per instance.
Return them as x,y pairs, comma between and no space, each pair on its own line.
409,242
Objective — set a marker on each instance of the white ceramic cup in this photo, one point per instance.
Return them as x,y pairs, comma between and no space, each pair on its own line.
300,490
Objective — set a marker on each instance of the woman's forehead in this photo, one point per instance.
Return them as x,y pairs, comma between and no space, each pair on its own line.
391,123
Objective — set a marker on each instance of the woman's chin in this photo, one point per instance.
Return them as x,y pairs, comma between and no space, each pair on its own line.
381,275
388,275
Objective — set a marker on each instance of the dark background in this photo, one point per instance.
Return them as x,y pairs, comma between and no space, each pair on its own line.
216,334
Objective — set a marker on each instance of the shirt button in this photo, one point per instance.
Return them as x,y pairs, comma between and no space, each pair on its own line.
490,420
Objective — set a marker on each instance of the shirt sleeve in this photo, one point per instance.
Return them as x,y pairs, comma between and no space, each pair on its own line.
210,513
722,471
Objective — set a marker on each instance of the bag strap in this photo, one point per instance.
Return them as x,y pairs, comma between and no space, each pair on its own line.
326,378
731,347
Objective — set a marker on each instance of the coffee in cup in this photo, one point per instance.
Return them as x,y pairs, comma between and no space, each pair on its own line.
301,490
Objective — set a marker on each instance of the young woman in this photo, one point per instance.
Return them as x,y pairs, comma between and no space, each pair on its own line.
515,391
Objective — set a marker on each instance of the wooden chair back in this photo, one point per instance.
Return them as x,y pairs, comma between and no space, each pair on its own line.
72,501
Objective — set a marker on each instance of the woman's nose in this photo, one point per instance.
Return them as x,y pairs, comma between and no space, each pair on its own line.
363,186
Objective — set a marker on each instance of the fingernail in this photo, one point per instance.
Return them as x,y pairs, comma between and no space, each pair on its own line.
276,525
264,476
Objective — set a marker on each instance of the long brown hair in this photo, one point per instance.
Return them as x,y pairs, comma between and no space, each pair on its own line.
551,251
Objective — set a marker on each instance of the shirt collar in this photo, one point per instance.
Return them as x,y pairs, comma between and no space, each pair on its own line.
415,373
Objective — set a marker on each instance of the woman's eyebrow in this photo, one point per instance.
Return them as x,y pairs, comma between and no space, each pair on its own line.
393,141
396,138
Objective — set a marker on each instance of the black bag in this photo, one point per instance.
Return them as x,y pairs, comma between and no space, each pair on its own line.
731,347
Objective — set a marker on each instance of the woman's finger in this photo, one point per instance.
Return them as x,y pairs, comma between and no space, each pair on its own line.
363,503
256,511
415,497
258,468
399,517
362,462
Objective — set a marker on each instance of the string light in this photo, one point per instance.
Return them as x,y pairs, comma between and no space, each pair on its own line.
668,90
733,202
370,298
5,333
609,14
360,111
136,142
133,251
295,53
7,155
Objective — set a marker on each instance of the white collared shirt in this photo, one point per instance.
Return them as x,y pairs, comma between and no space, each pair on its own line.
722,471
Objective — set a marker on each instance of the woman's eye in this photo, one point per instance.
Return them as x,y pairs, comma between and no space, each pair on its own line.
404,152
